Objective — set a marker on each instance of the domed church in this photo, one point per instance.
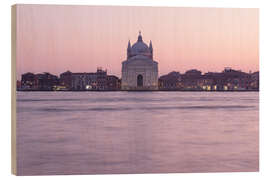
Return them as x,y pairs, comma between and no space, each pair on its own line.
139,71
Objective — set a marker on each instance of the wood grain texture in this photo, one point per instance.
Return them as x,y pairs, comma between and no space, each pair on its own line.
13,89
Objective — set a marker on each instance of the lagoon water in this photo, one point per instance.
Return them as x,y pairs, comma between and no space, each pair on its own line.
137,132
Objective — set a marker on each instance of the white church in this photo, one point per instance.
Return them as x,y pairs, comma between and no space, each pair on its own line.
139,71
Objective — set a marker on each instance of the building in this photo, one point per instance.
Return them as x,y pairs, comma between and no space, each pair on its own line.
191,80
78,81
46,81
28,81
139,71
194,80
254,84
83,81
101,79
113,83
40,82
171,81
213,81
235,79
98,81
66,79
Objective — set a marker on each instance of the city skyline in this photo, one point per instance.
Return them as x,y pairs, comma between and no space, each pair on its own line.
192,80
160,75
79,39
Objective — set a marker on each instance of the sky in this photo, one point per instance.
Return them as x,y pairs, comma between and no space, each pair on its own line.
57,38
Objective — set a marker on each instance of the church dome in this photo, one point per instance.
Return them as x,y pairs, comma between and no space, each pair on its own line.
139,48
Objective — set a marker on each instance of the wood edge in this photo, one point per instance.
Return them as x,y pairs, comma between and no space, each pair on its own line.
13,88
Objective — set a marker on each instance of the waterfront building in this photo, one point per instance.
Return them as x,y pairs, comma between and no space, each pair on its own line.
28,81
139,71
46,81
83,81
191,80
171,81
66,79
42,82
113,83
101,77
236,79
254,84
214,81
86,80
78,81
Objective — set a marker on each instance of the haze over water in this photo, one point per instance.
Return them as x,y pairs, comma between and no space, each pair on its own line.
137,132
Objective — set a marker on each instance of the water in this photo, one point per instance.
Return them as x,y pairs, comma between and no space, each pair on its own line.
137,132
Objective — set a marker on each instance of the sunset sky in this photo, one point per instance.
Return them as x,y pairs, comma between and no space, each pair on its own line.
57,38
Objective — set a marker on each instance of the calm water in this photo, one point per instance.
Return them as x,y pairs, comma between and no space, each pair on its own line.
137,132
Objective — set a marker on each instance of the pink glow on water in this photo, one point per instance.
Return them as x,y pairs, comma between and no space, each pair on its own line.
81,38
137,132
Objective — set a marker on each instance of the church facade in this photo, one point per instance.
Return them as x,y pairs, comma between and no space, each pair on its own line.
139,71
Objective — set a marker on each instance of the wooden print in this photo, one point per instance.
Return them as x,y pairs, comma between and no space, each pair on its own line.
115,89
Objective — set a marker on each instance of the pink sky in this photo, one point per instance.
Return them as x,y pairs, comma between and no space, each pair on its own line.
56,38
